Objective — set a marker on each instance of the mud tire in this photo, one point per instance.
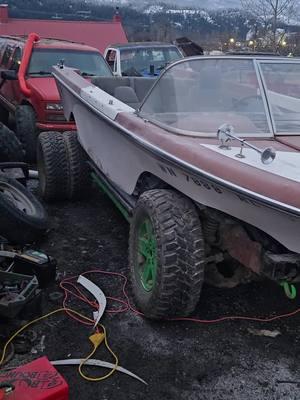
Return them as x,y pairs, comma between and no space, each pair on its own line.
180,254
4,115
52,164
16,225
78,181
10,147
26,130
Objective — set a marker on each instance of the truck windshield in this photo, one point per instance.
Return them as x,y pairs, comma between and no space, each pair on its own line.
89,63
147,61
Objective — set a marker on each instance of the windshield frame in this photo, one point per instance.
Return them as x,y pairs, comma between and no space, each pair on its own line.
257,61
272,61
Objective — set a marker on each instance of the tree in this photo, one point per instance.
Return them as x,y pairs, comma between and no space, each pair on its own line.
270,15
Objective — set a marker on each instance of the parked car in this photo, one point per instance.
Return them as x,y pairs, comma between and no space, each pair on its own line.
27,88
141,58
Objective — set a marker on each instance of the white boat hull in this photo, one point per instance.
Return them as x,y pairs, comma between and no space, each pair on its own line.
123,160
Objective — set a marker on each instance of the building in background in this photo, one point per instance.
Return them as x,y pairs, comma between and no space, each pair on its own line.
93,33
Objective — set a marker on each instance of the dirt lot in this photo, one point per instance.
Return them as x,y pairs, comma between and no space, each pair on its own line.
181,360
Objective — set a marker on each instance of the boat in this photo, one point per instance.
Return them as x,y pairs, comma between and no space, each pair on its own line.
220,132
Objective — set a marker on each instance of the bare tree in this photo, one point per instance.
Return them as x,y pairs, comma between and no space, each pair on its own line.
269,14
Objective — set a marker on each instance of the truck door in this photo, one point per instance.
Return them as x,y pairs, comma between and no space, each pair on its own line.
111,58
14,94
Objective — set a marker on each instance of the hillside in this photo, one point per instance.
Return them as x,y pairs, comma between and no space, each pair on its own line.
147,20
208,4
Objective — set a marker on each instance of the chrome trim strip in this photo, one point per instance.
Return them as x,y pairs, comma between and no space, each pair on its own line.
262,86
181,132
280,61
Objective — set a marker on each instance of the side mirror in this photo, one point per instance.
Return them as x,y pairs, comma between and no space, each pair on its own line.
9,75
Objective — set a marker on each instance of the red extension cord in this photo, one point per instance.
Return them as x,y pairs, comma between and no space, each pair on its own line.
70,283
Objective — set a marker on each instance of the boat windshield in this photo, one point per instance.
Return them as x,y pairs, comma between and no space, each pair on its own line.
89,63
196,96
282,81
147,61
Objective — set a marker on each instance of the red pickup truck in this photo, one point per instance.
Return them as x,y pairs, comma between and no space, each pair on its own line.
27,88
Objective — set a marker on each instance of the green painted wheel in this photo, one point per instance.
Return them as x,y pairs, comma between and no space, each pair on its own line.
166,254
147,255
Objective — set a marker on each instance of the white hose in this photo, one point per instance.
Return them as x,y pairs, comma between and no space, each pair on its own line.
97,293
97,363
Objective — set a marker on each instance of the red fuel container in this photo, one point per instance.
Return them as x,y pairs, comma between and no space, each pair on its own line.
37,380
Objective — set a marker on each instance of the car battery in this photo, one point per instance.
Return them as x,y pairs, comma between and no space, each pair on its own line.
33,262
37,380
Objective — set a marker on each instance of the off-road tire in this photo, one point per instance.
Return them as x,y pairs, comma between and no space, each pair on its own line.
78,169
26,130
52,164
180,254
17,224
10,147
4,115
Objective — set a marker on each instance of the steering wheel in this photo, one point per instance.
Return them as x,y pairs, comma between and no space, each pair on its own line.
248,103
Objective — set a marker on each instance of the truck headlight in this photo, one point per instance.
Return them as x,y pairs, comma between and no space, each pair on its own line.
54,107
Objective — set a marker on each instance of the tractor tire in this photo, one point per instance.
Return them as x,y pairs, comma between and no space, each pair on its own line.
78,169
166,254
52,164
4,115
23,219
26,130
10,147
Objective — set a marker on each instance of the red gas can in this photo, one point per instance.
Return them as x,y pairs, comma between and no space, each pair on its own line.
37,380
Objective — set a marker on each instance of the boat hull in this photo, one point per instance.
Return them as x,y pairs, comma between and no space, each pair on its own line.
123,158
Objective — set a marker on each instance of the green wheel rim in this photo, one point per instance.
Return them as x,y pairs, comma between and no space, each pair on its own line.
147,255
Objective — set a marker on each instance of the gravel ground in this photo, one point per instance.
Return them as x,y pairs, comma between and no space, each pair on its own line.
181,360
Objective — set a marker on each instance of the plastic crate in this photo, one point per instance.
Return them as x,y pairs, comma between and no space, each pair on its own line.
10,308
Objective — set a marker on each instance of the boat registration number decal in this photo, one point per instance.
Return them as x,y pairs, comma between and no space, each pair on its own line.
189,178
203,183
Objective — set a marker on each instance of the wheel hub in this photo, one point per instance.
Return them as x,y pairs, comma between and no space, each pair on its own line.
17,198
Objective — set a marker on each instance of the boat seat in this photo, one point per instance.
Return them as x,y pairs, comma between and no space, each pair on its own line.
140,85
127,95
109,83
